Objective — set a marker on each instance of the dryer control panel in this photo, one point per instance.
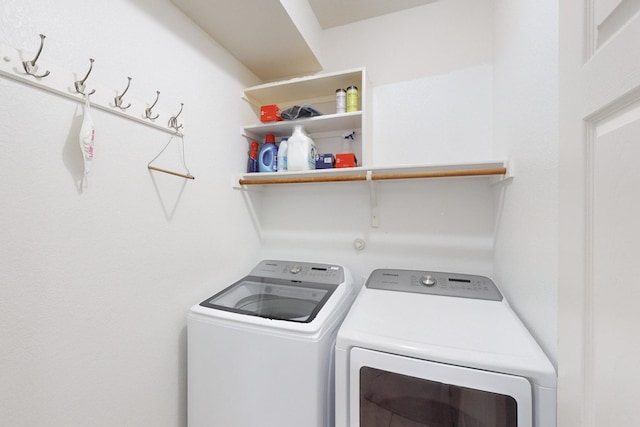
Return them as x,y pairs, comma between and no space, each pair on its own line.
434,283
300,271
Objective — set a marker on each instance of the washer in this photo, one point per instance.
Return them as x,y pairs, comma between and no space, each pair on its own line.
421,348
260,352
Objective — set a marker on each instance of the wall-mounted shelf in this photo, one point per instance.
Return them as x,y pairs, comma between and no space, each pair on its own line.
329,132
372,175
332,132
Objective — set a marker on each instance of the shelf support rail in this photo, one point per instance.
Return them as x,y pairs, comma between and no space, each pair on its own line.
373,199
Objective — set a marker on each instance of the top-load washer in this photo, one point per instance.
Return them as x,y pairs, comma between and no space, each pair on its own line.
422,348
260,352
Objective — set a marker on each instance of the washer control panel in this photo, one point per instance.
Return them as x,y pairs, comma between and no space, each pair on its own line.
434,283
300,271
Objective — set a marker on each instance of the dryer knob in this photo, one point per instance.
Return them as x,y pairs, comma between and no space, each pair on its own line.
428,281
295,269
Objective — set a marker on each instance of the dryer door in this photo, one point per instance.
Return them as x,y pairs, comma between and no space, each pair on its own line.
387,389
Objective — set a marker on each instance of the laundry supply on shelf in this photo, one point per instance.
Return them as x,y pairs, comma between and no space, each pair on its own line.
301,151
282,155
325,161
252,165
267,159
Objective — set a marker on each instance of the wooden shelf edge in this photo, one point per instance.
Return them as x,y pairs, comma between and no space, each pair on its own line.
371,175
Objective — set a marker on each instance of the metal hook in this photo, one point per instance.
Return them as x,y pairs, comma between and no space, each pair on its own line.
118,98
80,87
147,112
30,67
173,121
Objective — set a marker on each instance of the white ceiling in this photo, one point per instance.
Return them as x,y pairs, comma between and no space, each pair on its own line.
332,13
262,35
258,33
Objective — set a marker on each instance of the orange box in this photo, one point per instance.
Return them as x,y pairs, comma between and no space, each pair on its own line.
270,113
346,160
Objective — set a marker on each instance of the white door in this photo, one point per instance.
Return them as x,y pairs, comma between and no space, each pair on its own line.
599,286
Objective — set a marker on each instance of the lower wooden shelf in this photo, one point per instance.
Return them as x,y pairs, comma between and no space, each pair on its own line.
372,175
375,174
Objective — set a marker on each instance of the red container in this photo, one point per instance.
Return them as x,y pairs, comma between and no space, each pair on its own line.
346,160
270,113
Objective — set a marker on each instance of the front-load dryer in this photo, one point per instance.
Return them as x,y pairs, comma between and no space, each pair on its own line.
260,352
423,348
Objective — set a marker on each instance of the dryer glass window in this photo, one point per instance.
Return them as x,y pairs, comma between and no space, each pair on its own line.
390,399
273,299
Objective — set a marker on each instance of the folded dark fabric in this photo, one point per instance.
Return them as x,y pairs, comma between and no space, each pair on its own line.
299,112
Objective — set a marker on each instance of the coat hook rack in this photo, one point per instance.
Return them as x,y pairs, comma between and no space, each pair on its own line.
118,98
20,66
147,112
30,67
80,86
173,121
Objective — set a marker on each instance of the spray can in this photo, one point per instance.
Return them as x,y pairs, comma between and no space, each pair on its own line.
352,99
341,101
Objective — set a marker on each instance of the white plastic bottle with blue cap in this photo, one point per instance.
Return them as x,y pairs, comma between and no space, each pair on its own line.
301,151
282,155
267,158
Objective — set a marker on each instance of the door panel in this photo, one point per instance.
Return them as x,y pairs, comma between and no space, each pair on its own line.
616,264
610,16
599,212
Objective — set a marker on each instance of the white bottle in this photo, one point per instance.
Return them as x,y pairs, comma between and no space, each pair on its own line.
282,155
301,151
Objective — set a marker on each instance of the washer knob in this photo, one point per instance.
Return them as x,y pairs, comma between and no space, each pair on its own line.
295,269
428,280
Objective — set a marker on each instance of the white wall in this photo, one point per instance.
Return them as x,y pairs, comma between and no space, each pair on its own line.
95,285
431,40
526,133
431,68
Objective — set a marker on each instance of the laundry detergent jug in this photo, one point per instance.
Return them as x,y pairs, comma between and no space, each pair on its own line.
267,158
301,151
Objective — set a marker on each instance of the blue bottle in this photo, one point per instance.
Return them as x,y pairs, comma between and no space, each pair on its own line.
252,164
267,159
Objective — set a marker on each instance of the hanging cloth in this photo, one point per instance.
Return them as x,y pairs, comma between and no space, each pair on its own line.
87,140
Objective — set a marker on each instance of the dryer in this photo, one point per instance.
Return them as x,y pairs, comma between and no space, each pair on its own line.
260,352
422,348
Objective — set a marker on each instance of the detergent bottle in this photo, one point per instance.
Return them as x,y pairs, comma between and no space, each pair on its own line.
282,155
301,151
267,159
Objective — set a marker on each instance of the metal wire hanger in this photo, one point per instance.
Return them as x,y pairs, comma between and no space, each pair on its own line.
181,175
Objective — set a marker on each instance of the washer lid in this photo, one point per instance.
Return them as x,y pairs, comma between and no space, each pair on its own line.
273,298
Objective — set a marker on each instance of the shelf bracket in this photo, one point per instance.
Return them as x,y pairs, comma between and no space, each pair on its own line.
373,199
